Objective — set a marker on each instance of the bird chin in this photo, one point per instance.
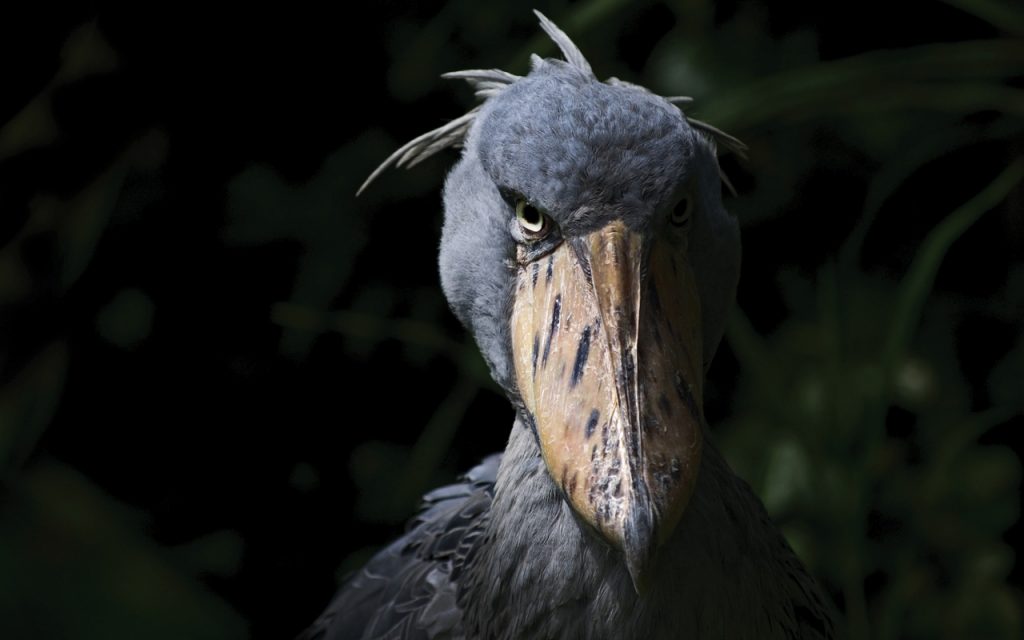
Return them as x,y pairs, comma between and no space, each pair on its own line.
607,347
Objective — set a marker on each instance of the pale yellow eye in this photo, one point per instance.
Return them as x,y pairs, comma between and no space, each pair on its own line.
530,218
681,212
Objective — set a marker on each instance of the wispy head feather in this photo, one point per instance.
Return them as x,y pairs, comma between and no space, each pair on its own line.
488,83
572,53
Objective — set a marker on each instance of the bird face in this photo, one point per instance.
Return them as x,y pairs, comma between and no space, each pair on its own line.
586,247
599,186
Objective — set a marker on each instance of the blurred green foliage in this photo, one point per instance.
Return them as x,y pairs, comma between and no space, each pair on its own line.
852,411
75,565
73,561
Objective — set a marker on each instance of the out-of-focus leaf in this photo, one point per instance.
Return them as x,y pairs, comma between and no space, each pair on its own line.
1004,14
70,567
903,163
127,319
374,467
878,80
15,280
82,220
85,53
917,284
374,328
28,402
79,222
930,495
370,300
915,382
304,477
391,480
33,126
218,553
322,215
983,474
434,441
927,379
985,611
788,478
428,306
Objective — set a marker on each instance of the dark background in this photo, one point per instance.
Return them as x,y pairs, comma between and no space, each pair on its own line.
224,381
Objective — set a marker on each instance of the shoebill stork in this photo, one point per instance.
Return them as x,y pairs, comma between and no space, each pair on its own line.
586,247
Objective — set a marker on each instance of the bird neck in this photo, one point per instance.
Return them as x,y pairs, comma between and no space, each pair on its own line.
540,573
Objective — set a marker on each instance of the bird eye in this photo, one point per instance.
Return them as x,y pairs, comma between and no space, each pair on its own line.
530,218
681,213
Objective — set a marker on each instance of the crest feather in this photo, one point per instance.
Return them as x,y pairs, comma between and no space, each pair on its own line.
572,53
721,138
488,83
419,149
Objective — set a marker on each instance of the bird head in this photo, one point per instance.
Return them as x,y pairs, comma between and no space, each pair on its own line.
586,247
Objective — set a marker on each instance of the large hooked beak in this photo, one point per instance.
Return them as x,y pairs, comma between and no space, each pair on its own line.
607,342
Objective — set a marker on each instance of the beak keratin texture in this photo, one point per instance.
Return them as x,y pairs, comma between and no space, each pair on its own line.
607,344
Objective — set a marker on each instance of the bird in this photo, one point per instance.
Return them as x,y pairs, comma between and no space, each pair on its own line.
586,248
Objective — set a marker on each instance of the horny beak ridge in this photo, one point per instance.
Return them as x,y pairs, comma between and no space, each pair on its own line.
608,362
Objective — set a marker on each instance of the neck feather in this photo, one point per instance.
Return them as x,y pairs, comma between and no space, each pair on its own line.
541,574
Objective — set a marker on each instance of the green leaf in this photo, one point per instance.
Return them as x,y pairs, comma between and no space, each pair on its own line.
1003,14
788,478
71,566
83,219
322,215
917,284
218,553
28,402
85,53
126,320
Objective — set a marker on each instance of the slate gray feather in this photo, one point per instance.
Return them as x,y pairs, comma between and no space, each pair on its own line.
586,248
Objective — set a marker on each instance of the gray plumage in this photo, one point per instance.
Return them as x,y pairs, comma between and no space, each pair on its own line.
490,82
502,554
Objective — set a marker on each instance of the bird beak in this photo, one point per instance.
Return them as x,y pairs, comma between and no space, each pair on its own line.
607,345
